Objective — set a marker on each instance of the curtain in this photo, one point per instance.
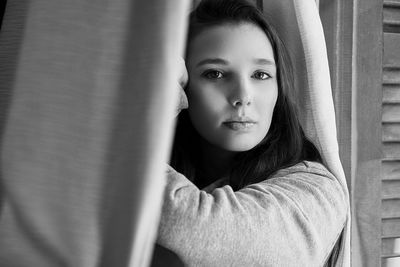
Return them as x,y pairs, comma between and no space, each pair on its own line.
300,27
88,91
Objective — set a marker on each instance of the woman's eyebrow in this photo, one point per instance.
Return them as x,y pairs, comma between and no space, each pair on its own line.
212,61
264,61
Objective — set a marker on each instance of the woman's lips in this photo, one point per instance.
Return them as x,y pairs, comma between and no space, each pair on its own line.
239,125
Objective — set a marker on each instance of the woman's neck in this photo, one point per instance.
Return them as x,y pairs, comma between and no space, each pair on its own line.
215,162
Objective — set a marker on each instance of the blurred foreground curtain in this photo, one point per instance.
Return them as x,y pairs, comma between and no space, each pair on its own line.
87,92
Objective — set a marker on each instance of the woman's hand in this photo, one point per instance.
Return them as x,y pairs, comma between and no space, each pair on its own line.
183,79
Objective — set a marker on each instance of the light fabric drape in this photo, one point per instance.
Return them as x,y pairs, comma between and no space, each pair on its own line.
319,106
299,24
89,91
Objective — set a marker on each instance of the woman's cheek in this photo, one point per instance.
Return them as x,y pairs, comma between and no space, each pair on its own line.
265,103
204,97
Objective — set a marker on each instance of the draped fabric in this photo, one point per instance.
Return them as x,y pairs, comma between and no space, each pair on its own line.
88,91
301,29
86,128
319,109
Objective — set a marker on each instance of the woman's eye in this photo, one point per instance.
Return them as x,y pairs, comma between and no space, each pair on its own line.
261,75
213,74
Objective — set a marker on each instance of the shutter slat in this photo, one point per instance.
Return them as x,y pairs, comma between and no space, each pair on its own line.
391,3
390,261
391,42
391,132
390,207
391,197
391,112
391,188
391,93
391,14
396,216
390,170
391,150
390,236
390,227
394,255
391,75
390,246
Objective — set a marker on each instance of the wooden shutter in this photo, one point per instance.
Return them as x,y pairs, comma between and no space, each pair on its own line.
391,135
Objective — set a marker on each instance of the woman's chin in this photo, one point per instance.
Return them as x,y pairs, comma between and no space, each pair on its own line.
239,146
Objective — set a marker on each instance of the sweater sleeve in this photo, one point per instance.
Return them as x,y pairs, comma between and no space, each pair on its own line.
291,219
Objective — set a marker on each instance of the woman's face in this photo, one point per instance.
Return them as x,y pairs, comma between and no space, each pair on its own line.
232,87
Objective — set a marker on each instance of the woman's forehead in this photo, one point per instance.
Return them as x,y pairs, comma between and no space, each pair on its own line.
244,41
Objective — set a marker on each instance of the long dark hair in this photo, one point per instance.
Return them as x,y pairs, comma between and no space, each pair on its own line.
285,143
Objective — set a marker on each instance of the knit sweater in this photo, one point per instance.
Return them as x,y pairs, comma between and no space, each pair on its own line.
293,218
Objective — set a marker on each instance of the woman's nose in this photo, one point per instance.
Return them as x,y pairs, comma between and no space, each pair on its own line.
245,101
241,94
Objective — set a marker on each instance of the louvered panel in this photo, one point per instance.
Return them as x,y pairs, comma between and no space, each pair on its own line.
391,227
391,55
391,188
391,150
391,75
391,113
391,92
390,170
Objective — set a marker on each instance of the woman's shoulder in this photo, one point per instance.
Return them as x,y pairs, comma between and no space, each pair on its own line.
304,168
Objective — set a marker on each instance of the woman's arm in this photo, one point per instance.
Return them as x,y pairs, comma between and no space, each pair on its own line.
292,219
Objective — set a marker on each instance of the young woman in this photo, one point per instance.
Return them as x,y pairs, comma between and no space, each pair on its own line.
246,187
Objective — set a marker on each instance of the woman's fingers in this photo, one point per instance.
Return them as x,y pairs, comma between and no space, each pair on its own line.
183,79
183,76
183,101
